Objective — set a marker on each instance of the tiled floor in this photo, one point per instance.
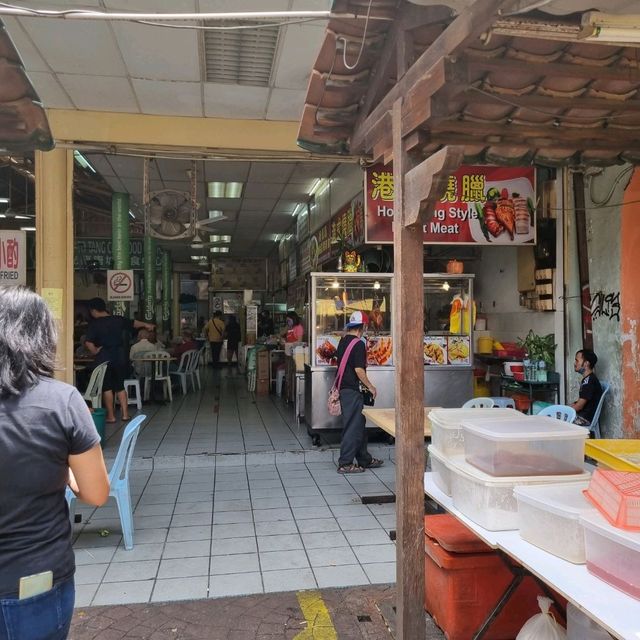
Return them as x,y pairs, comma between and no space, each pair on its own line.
230,499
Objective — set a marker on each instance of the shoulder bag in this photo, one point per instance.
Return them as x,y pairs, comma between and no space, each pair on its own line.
333,403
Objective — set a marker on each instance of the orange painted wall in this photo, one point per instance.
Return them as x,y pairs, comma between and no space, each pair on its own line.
630,307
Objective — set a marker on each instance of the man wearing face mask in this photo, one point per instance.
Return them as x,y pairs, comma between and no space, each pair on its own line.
590,388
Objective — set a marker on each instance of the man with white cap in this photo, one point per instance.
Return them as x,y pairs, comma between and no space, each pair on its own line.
354,437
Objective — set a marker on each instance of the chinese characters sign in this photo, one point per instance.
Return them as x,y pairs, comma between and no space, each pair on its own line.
13,258
481,205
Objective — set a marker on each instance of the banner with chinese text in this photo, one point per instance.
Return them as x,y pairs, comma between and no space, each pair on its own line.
13,258
481,205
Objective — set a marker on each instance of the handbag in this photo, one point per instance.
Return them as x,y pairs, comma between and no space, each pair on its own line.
367,396
333,401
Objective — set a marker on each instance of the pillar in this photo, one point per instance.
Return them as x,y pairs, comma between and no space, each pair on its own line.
166,290
121,249
175,305
149,279
54,247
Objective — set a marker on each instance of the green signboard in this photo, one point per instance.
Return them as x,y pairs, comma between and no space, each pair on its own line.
97,253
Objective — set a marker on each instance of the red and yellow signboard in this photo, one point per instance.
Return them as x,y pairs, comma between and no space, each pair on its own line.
481,205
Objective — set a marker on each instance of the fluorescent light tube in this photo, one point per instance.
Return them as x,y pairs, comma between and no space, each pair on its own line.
82,161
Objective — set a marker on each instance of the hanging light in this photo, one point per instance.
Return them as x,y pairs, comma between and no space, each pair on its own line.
376,285
446,286
336,284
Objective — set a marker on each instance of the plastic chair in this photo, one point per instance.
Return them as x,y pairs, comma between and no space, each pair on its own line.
94,389
503,403
280,374
161,374
559,412
119,481
183,370
479,403
133,383
194,368
594,427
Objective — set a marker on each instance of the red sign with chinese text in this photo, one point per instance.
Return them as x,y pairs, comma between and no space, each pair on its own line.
481,205
13,258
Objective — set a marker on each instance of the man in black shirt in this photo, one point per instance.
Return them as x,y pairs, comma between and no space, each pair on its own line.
354,436
590,389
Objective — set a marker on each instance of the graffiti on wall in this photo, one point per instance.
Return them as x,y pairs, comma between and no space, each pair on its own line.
605,305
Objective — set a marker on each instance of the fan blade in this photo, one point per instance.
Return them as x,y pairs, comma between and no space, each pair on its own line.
155,212
209,222
184,211
171,228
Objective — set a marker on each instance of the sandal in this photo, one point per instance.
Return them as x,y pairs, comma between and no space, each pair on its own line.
125,418
374,464
350,468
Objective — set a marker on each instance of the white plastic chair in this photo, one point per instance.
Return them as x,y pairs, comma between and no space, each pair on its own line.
133,383
594,427
559,412
161,374
479,403
194,368
94,389
183,370
119,481
503,403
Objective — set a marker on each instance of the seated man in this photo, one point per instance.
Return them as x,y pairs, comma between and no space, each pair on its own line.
142,346
187,344
590,388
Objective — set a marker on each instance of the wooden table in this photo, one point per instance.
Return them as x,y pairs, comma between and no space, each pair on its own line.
386,419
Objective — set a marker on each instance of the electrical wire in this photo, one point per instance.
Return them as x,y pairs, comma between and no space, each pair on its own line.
257,25
364,38
616,182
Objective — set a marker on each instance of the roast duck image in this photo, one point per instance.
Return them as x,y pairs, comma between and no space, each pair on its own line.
503,213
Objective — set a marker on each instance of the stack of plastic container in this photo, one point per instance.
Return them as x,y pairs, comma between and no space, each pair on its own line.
481,463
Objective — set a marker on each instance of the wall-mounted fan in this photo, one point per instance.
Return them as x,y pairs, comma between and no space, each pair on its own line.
377,260
170,214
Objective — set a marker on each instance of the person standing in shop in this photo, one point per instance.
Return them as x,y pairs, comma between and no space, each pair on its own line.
353,444
214,330
233,334
295,330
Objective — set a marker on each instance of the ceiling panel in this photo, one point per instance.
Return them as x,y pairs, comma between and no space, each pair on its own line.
299,49
286,104
168,98
224,204
96,93
227,171
258,204
306,171
285,206
130,167
50,91
175,169
297,190
100,163
159,53
30,55
242,5
279,224
88,46
233,101
277,172
262,190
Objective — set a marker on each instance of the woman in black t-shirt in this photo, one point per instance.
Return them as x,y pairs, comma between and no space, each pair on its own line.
354,437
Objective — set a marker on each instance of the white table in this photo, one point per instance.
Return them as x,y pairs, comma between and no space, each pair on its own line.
612,609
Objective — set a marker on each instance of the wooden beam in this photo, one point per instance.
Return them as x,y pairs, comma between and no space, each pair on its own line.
548,102
464,29
408,314
425,184
551,69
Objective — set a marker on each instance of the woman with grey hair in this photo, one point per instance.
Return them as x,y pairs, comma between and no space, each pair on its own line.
47,442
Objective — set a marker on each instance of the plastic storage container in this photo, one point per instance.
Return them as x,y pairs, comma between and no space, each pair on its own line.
549,518
581,627
440,470
489,500
616,494
526,447
612,554
446,429
464,579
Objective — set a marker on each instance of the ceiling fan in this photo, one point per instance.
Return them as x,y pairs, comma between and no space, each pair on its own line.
199,243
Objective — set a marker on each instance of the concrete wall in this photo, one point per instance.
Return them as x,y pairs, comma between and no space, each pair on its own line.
603,224
497,296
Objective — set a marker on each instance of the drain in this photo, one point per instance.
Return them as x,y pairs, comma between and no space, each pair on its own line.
364,618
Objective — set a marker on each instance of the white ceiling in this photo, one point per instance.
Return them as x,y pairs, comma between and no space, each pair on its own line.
135,68
271,193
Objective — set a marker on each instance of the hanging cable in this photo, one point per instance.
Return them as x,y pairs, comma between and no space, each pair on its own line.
364,39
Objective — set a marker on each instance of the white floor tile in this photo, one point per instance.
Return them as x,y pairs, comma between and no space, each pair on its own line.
340,576
236,584
288,580
180,589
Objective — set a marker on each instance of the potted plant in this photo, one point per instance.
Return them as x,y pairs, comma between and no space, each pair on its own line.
541,353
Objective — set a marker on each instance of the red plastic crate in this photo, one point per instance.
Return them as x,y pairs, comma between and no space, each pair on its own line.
616,494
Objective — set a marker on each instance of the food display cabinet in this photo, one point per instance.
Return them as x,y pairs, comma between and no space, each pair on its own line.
447,352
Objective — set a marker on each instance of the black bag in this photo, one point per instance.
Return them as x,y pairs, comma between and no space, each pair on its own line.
367,396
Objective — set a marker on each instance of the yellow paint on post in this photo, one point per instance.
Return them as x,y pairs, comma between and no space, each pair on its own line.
320,626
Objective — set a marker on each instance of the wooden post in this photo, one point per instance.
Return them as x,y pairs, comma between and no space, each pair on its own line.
408,312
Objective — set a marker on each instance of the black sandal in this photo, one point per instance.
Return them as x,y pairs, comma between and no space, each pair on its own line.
375,463
350,468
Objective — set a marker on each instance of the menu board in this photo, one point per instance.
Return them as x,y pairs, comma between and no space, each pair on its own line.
458,351
435,350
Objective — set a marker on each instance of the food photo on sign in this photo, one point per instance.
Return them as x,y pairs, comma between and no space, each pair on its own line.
480,205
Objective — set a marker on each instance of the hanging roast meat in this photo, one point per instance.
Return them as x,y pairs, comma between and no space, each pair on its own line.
506,213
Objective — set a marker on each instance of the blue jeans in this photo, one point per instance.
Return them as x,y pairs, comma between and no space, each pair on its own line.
43,617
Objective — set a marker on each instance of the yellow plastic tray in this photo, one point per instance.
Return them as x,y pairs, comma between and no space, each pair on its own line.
621,455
